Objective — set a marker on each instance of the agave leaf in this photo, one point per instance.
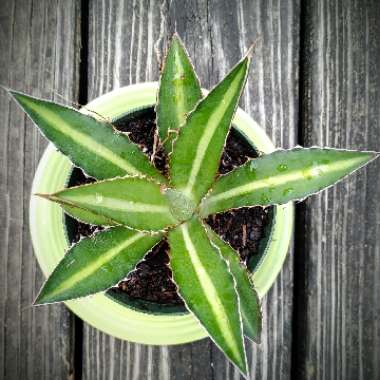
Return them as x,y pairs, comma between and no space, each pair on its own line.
282,176
96,263
197,150
249,300
207,288
132,201
86,216
178,94
90,144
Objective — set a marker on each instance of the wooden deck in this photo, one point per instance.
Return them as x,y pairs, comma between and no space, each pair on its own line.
315,80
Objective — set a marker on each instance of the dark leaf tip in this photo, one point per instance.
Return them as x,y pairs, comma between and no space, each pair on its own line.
252,48
5,88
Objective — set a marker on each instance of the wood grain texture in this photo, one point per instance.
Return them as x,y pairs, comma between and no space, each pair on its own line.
125,38
38,44
338,333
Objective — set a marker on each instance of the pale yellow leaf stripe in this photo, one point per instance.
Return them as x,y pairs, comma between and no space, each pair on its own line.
209,130
282,179
93,266
84,140
117,204
210,292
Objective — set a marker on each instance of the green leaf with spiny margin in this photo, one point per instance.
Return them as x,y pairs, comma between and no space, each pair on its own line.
88,217
249,301
178,93
198,148
96,263
207,288
282,176
132,201
90,144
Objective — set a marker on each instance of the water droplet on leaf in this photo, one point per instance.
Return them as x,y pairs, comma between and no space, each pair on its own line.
282,167
287,191
71,262
107,268
316,169
253,165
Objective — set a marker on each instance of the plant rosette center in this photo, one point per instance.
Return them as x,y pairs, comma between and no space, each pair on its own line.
181,206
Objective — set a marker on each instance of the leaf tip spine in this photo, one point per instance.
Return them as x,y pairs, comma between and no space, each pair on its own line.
39,301
5,88
45,196
251,50
176,38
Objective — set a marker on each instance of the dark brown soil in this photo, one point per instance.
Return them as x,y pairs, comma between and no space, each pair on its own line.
242,228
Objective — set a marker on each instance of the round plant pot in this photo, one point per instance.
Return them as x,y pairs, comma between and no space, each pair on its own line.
122,319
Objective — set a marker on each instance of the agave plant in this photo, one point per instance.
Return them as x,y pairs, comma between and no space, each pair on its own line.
140,206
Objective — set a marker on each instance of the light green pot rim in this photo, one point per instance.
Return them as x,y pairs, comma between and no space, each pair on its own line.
50,241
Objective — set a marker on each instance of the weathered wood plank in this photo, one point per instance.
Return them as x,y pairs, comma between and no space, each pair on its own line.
39,46
339,335
124,37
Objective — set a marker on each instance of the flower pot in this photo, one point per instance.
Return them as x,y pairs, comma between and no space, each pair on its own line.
120,318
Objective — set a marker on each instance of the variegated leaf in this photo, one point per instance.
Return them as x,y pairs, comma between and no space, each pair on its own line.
178,93
282,176
249,300
131,201
96,263
92,145
86,216
207,288
198,148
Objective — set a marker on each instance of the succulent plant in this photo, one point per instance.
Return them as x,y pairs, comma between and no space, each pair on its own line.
140,206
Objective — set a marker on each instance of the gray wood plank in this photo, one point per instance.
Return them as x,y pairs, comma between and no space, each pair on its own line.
338,330
125,37
39,46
